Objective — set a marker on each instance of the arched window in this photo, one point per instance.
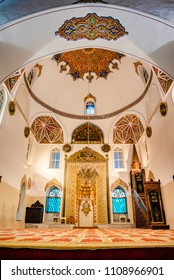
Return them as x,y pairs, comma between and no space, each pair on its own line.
141,71
90,108
118,158
34,74
119,201
53,200
55,158
3,101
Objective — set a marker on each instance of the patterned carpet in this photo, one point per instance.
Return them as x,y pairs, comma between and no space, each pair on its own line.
103,238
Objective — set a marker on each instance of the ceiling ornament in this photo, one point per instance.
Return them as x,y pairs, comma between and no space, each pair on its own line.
46,130
10,82
128,130
136,64
87,133
87,62
91,27
39,66
88,117
164,80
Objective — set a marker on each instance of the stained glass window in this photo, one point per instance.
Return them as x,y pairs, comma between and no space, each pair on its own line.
53,201
55,158
90,108
119,202
118,158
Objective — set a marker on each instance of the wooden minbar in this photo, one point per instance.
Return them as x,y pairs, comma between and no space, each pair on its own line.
156,214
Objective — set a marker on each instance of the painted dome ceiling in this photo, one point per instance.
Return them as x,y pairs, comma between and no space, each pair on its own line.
65,80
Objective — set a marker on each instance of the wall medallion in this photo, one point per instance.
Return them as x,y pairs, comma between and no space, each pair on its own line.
163,109
105,148
11,108
67,148
148,131
91,27
26,131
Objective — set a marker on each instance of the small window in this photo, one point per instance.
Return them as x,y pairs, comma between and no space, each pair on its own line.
118,158
53,200
90,108
90,104
119,201
55,158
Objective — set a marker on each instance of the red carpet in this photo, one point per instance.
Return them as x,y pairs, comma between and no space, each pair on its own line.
86,243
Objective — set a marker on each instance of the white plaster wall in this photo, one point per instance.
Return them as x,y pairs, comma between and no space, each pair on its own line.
161,155
161,144
13,148
42,173
167,192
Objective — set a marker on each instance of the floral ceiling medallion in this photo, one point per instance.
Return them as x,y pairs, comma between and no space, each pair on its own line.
91,27
87,62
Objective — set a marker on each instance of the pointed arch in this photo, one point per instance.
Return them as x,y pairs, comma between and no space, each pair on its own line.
87,133
53,182
119,182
